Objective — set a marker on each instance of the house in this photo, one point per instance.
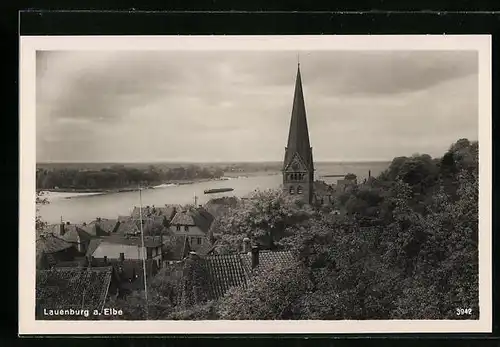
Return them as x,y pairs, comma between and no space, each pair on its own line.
193,222
128,274
216,274
127,247
323,194
72,233
79,289
101,227
77,237
166,213
128,227
51,249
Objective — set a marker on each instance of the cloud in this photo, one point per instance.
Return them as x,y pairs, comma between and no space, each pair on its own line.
202,106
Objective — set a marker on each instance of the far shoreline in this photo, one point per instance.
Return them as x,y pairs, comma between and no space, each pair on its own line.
100,191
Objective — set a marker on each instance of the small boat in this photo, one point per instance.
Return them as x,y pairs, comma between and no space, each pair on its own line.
217,190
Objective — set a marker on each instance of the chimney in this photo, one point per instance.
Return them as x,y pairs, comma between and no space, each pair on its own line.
255,256
369,173
68,223
246,245
61,229
122,257
105,260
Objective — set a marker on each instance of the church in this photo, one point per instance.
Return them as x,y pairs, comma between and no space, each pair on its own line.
298,165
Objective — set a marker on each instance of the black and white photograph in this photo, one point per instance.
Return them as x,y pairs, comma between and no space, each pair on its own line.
258,181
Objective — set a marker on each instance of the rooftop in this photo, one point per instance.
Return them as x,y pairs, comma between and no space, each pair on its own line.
48,243
234,270
194,217
65,288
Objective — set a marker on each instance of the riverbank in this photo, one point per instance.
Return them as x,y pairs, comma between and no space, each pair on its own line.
129,189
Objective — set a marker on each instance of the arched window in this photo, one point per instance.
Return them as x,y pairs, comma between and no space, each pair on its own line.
291,190
299,190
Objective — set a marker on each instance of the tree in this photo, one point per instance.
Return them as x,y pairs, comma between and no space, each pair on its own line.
265,216
40,224
270,294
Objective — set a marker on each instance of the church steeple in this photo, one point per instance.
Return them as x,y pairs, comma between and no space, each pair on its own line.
298,167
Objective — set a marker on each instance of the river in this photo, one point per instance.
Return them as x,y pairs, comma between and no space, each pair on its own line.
84,207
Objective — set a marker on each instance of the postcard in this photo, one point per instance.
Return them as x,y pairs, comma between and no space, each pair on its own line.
255,184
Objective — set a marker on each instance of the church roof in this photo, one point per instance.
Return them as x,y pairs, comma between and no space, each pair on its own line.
298,136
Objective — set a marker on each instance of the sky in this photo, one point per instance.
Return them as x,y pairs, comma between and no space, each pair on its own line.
209,106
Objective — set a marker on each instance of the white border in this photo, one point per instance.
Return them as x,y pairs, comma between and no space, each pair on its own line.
28,47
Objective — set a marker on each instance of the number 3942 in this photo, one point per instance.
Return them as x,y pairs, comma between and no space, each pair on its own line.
463,311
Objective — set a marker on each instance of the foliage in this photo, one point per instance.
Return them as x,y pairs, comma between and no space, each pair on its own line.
119,176
265,216
405,248
271,294
40,224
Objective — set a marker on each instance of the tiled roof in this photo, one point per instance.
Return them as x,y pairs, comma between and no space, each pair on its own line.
128,227
203,219
268,259
76,235
167,211
183,217
101,227
72,288
226,271
194,217
48,243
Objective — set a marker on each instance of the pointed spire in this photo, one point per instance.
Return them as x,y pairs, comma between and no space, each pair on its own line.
298,136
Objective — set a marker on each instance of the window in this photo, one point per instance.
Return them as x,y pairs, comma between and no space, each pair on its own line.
186,228
178,227
198,240
291,190
299,190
